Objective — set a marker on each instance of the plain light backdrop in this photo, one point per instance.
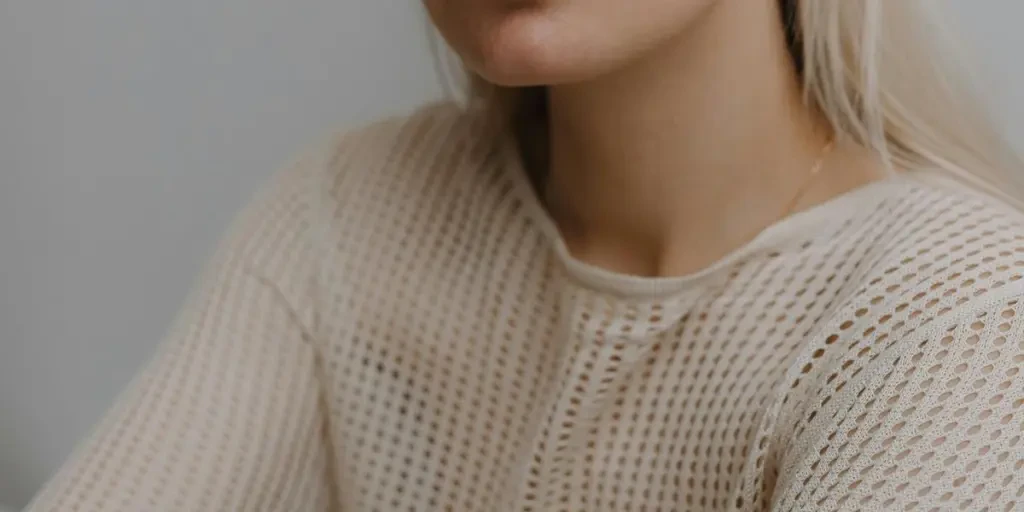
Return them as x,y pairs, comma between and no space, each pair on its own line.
132,130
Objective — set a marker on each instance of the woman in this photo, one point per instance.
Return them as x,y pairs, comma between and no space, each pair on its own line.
673,255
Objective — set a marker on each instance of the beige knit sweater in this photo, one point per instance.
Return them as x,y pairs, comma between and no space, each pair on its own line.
395,325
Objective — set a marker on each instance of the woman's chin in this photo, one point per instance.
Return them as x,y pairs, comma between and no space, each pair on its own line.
531,71
519,78
529,50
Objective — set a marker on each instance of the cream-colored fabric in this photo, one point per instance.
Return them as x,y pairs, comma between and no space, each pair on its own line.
395,325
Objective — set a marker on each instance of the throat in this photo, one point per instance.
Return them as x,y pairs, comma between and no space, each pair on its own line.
645,236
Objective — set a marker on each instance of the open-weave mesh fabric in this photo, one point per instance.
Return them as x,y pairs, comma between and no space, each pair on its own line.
395,325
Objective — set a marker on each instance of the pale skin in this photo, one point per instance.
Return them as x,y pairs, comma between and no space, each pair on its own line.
677,127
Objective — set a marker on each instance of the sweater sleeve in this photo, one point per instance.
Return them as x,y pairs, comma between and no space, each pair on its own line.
933,424
228,414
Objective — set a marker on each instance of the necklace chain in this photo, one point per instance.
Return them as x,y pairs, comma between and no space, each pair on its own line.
813,173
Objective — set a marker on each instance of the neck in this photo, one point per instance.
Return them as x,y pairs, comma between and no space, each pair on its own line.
668,165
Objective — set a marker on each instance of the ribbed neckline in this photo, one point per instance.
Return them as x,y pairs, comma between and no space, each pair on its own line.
774,238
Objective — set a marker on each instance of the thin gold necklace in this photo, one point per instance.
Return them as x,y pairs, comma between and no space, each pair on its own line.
813,173
819,164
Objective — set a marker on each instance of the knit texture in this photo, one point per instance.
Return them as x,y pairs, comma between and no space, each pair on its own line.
395,325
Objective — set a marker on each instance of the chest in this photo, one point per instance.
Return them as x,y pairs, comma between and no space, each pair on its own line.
544,397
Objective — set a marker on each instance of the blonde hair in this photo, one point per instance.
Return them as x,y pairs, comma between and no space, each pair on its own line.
889,75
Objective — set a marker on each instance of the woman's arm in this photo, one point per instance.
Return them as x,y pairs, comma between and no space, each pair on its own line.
932,425
228,415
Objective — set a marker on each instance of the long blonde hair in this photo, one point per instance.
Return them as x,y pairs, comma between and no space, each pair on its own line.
889,75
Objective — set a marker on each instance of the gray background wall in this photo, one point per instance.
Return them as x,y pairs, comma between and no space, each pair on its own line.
131,130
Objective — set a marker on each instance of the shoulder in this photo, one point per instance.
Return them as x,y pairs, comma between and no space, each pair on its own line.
941,241
380,161
930,255
934,260
944,257
915,380
419,147
352,180
389,149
